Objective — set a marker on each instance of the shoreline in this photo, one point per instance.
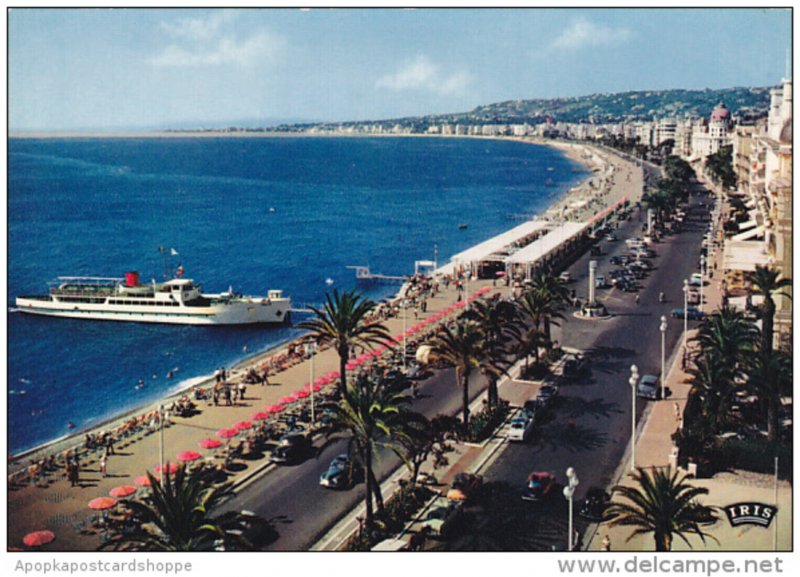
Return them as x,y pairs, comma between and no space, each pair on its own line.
573,151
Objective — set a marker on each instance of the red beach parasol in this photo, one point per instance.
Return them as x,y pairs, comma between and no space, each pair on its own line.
287,400
122,491
210,443
187,456
276,408
142,481
260,416
302,394
38,538
227,433
243,425
102,503
169,467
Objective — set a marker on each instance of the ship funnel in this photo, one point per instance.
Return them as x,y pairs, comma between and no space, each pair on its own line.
132,279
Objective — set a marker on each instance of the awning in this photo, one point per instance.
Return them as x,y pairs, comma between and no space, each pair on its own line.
741,302
745,255
748,234
501,241
548,243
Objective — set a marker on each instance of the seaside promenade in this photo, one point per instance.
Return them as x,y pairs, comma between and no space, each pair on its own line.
52,503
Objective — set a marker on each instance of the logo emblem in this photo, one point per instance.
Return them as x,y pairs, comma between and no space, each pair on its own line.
751,514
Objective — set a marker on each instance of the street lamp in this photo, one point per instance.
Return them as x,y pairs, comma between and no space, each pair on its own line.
161,441
311,348
404,304
685,313
663,328
569,491
702,280
633,381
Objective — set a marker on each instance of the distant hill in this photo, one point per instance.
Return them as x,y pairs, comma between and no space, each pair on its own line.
595,108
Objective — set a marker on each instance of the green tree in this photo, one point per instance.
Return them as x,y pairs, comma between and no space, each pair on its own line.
766,282
181,515
370,416
661,503
342,323
461,346
769,376
423,437
729,335
555,291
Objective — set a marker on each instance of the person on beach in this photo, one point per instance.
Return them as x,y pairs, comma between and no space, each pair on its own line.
104,464
242,389
110,444
606,545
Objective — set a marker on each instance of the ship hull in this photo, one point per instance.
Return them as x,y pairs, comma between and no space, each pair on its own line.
239,312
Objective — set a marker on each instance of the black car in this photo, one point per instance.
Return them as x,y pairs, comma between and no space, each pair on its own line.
340,474
620,259
594,505
291,448
575,366
628,286
546,395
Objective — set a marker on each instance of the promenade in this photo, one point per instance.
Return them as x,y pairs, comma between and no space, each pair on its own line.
50,502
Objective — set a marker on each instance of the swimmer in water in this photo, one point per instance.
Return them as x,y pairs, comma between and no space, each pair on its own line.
70,425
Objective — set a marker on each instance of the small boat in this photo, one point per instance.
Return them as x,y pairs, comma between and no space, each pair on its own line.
176,301
550,169
463,226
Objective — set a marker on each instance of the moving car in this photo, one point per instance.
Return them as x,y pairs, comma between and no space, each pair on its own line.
648,387
340,474
546,395
600,282
521,426
291,448
696,279
539,485
692,313
593,507
575,366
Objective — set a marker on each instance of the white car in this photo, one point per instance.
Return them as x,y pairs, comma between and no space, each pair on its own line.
565,277
521,426
696,279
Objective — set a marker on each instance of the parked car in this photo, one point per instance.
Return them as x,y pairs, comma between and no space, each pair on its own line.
634,242
574,366
693,297
441,515
546,394
628,286
521,426
696,279
565,277
600,282
620,259
291,448
611,237
538,486
692,313
464,486
593,507
648,387
340,474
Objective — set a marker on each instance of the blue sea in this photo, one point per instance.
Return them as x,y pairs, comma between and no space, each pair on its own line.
251,213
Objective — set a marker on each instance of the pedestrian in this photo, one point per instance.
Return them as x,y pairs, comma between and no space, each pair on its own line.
110,443
677,412
637,299
242,389
606,546
104,464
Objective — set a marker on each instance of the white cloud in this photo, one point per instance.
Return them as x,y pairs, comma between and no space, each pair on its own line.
211,41
421,74
584,33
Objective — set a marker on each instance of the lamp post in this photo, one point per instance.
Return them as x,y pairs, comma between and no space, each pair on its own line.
161,441
404,304
633,381
702,280
569,492
311,348
663,328
685,313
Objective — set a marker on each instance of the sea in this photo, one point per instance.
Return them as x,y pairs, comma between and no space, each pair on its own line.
253,214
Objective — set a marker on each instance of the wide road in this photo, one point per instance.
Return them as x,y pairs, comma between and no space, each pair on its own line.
600,404
301,509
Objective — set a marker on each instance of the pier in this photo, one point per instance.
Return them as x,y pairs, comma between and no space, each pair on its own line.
363,274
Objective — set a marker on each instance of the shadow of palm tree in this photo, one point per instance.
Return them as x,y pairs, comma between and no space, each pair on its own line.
573,438
575,407
611,359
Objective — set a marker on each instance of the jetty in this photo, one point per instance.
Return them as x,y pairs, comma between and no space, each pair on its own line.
363,274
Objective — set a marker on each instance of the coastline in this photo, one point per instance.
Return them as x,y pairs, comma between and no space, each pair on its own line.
581,153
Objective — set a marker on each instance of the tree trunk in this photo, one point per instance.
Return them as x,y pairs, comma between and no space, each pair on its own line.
366,456
376,488
767,324
663,541
773,415
465,400
344,356
491,392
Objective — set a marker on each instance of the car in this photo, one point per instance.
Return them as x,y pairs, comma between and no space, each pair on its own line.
464,486
647,387
340,474
600,282
565,277
574,366
611,237
692,313
521,426
291,448
628,286
593,507
634,241
696,279
620,259
546,394
441,515
539,485
531,406
693,297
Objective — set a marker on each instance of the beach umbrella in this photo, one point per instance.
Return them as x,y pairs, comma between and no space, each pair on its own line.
275,408
227,433
38,538
102,503
168,466
142,481
122,491
287,400
243,425
210,443
500,273
302,394
260,416
187,456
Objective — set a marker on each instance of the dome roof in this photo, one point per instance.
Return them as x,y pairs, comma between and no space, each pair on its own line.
786,132
720,112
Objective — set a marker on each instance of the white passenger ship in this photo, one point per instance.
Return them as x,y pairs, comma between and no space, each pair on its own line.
177,301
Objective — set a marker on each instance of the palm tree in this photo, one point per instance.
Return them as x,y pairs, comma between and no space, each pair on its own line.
496,319
538,306
713,383
179,515
370,416
463,347
546,282
662,504
342,324
729,335
769,376
765,282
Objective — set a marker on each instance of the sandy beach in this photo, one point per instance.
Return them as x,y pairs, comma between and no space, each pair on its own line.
53,504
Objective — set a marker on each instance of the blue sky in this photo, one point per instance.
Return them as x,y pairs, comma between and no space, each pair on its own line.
97,69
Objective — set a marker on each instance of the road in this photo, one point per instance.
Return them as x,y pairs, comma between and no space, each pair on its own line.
600,404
